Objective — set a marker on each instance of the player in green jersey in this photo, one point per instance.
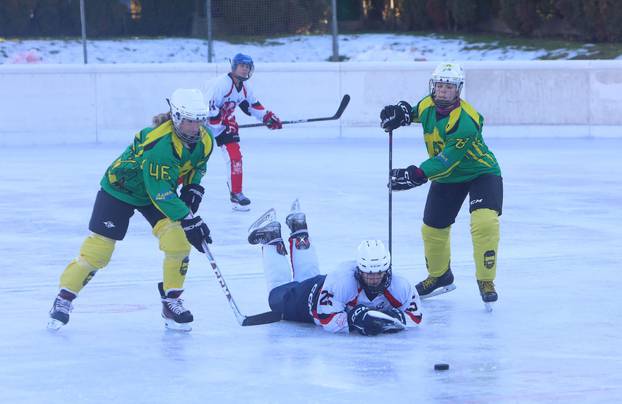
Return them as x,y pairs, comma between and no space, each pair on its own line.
145,178
459,163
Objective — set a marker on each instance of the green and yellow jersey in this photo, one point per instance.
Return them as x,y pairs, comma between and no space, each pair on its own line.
151,168
454,142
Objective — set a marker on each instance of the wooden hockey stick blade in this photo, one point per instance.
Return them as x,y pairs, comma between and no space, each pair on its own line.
342,107
262,318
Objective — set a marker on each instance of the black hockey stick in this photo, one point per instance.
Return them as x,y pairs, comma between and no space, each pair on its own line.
342,107
257,319
390,193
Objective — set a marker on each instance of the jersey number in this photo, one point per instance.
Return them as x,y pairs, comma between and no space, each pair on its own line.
159,172
413,306
325,298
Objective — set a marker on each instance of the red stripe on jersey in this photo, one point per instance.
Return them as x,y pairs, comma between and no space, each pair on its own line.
416,319
323,318
231,89
394,302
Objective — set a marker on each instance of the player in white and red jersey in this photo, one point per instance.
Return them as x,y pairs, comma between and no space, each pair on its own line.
361,295
225,94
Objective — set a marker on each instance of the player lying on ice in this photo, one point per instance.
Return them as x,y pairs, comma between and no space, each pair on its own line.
361,295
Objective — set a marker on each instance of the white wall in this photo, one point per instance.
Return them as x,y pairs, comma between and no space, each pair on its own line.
76,103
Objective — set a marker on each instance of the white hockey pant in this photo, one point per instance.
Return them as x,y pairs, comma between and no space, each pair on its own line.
277,269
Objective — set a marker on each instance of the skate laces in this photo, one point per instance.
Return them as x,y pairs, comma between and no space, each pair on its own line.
488,286
430,281
175,305
63,305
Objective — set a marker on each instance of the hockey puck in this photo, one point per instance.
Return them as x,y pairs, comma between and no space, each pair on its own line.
441,366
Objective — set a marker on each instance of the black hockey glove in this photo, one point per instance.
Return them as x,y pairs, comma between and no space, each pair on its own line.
407,178
196,232
396,313
394,116
359,319
192,194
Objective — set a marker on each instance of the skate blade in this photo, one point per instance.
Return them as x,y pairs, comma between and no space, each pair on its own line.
439,291
268,217
239,208
180,327
295,206
54,325
488,306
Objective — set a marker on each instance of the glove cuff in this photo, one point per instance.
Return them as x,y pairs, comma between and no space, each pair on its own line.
407,111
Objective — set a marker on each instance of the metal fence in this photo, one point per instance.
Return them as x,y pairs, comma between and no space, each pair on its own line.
259,19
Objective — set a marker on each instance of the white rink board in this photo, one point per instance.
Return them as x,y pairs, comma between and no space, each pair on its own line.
55,104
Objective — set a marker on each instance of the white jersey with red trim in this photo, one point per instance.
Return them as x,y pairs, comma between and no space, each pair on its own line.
223,96
341,292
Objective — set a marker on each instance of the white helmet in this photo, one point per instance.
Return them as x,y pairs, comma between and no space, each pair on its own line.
373,263
189,104
451,73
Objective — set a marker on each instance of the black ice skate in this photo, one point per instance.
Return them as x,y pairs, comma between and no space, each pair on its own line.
433,286
62,306
297,223
488,293
267,230
176,316
269,233
240,202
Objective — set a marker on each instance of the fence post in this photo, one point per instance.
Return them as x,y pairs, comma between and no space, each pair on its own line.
83,24
210,41
335,33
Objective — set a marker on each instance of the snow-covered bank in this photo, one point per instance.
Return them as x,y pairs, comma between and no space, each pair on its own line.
316,48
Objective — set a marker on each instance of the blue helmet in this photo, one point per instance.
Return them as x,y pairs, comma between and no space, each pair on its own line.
242,59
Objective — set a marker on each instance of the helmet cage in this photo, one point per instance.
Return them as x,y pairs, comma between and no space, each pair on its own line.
373,290
448,73
373,263
181,112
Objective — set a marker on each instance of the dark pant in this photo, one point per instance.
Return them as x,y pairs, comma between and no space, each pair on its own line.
111,216
296,299
445,200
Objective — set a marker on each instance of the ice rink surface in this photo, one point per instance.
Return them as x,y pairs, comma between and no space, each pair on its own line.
554,335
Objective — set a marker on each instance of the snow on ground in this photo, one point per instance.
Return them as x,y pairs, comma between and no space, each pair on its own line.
553,336
318,48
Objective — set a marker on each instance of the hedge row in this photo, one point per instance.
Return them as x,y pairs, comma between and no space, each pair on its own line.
591,20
